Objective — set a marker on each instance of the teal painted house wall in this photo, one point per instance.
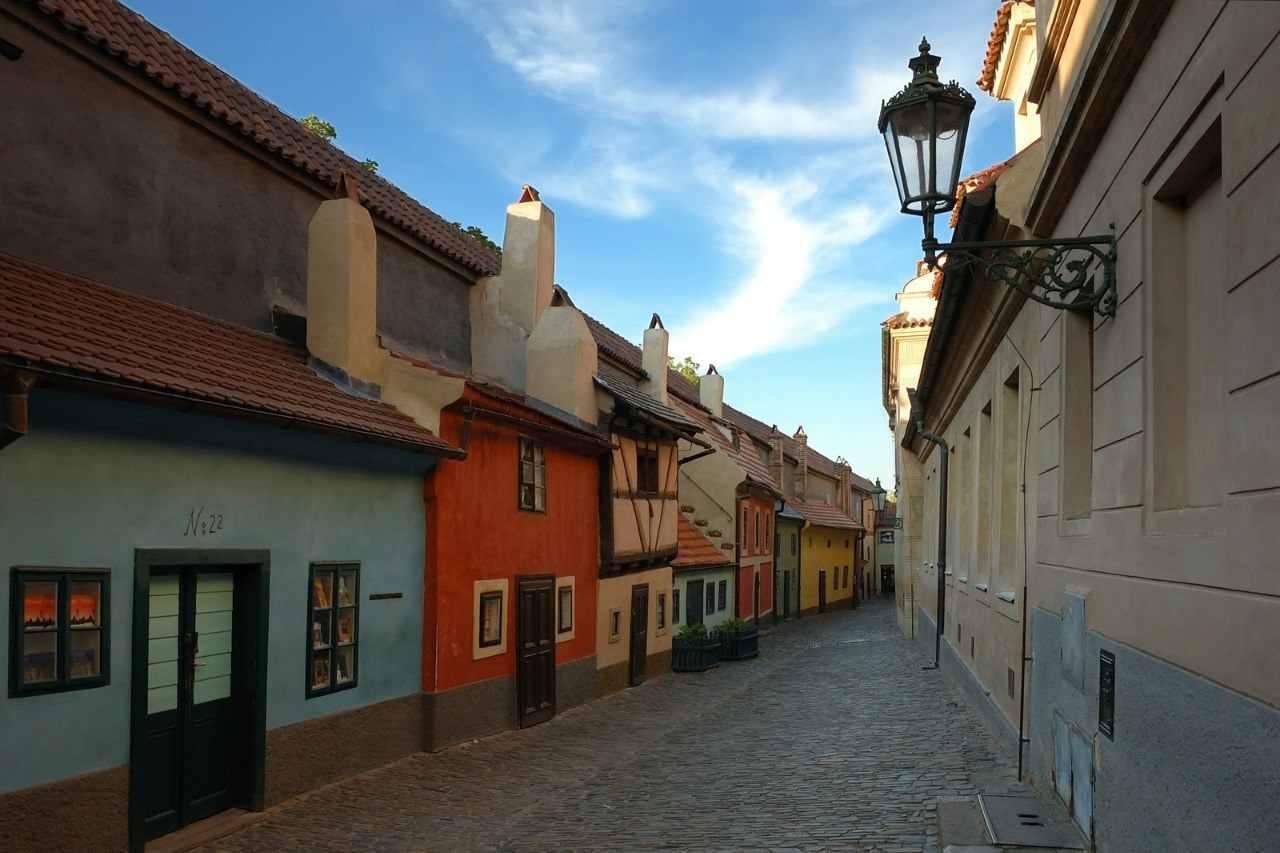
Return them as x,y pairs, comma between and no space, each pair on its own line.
96,479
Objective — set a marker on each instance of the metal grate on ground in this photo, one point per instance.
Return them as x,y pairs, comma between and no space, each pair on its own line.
1027,822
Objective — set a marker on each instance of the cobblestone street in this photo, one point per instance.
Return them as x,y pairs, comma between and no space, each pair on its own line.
835,738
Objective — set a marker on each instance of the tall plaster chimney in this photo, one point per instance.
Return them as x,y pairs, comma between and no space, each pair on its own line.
342,312
342,286
505,308
656,341
711,391
562,360
802,464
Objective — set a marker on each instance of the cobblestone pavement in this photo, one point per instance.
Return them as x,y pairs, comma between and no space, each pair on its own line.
834,739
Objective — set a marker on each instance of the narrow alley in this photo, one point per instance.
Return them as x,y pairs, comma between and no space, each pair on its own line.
834,739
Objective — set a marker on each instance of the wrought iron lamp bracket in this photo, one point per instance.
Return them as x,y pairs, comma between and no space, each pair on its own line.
1052,272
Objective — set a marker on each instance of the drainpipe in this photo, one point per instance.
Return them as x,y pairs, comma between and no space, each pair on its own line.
738,542
17,389
918,411
800,569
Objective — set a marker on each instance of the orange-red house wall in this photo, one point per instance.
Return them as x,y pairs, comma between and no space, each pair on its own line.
756,554
476,531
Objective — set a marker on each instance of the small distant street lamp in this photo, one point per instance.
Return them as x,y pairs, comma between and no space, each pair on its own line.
925,127
878,495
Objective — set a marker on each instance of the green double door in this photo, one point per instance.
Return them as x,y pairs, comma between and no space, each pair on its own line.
195,697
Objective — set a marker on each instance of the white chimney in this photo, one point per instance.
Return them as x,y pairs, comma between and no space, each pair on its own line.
505,309
711,391
342,286
562,360
655,361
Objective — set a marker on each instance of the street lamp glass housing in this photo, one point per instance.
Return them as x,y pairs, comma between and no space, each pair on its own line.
925,127
878,495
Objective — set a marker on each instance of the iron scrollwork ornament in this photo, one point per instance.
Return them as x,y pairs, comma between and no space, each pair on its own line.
1056,273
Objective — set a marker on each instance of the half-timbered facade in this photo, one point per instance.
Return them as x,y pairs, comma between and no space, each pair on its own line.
639,508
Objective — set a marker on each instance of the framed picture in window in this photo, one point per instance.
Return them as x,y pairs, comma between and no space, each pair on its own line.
332,624
490,619
59,633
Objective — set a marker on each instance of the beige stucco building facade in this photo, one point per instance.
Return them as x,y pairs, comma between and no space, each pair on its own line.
904,336
1133,458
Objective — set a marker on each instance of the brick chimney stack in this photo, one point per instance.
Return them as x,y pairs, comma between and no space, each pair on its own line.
802,464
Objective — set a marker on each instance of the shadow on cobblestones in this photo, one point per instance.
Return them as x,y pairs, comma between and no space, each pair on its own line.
834,739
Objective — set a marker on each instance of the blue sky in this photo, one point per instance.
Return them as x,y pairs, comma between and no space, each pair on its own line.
715,161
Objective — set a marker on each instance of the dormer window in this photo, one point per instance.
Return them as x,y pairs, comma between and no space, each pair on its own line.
533,475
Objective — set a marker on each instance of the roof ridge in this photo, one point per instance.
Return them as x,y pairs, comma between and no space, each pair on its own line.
128,37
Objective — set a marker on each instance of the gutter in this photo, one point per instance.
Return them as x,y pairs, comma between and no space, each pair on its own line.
975,219
173,399
918,412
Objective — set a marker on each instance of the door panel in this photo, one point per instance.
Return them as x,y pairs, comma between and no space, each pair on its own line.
822,591
639,633
693,603
536,649
190,722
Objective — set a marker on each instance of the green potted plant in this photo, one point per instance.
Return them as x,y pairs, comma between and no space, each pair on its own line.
739,640
693,650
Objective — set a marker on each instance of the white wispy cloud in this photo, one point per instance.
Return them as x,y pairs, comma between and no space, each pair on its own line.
648,146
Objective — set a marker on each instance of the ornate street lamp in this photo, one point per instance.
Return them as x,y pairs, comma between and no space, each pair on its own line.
925,127
877,498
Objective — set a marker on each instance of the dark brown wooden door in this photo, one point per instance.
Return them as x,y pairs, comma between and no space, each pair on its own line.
639,632
822,591
535,649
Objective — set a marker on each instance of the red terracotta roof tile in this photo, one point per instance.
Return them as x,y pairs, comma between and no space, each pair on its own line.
695,549
89,330
615,346
823,514
995,45
979,181
904,320
745,456
129,38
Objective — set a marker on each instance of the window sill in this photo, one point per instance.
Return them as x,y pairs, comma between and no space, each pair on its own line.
981,586
961,579
1006,596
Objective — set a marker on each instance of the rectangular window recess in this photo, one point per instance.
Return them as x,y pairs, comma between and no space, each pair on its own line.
333,628
981,586
1006,596
59,629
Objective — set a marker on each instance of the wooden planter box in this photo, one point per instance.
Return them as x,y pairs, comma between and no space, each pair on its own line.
740,646
698,657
